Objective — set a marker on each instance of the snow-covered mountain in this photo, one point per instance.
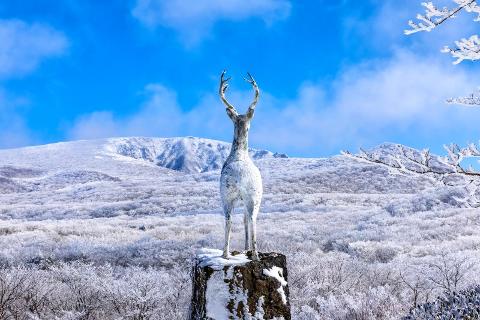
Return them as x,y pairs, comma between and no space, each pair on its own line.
189,154
137,176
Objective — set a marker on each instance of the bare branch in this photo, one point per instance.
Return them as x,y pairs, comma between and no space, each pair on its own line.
448,273
418,286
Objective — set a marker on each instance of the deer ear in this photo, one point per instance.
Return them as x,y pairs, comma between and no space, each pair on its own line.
250,113
231,114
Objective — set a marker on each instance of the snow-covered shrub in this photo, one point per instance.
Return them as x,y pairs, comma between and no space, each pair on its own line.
424,202
374,303
453,196
337,245
433,199
84,291
384,254
374,251
460,305
371,303
449,272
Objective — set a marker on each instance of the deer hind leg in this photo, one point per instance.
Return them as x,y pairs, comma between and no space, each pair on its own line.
252,209
227,210
246,224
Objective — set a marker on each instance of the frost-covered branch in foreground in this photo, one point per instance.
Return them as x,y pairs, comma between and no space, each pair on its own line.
466,48
434,16
410,161
470,100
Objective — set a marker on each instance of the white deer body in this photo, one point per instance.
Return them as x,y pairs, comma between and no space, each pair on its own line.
240,181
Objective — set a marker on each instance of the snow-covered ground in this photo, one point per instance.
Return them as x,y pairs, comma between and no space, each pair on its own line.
107,228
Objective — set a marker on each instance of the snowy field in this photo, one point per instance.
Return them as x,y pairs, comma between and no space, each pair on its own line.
106,229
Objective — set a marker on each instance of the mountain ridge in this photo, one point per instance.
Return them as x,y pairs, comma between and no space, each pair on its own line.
183,154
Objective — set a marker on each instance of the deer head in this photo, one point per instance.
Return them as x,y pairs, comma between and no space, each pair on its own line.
240,121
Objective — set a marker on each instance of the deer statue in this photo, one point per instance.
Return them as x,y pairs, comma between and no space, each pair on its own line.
240,180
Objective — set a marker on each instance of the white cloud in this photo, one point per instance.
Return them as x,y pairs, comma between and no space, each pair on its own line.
160,115
393,99
368,104
14,132
194,19
23,46
99,124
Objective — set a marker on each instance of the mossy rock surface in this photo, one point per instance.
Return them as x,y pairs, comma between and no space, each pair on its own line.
250,290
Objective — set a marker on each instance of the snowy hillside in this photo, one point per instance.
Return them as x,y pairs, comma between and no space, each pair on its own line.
102,220
191,155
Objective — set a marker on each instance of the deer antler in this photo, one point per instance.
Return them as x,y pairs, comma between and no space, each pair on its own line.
232,113
251,108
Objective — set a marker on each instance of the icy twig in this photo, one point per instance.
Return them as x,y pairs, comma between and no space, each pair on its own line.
470,100
434,16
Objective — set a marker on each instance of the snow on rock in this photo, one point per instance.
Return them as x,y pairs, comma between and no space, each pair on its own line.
222,290
213,258
277,273
260,313
220,295
217,297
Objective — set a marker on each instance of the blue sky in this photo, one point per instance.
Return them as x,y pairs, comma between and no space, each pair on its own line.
334,75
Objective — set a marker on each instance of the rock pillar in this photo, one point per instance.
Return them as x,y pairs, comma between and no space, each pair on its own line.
239,288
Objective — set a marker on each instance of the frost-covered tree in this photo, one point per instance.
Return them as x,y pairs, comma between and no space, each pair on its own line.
465,49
